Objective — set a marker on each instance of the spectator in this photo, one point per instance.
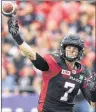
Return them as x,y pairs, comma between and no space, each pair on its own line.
26,79
9,78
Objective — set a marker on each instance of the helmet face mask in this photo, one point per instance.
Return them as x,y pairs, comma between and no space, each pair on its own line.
71,51
73,41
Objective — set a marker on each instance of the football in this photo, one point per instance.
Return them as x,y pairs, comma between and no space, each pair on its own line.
9,8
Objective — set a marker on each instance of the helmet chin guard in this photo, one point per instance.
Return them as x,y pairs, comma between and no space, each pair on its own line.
70,59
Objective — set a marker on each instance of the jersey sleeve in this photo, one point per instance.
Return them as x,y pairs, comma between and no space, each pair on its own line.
86,94
47,64
40,63
87,74
53,66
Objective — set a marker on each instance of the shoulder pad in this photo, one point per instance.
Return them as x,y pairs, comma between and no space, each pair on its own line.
56,56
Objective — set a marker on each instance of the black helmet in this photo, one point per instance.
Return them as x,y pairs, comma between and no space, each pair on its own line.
73,40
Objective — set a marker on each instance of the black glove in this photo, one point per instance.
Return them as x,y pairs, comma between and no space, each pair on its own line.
13,26
91,82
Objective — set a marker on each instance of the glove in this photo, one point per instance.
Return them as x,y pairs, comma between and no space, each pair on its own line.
91,82
13,27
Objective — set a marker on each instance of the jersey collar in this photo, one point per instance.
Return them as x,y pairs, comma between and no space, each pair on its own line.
75,71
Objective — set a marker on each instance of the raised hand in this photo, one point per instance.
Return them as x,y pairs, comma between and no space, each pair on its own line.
13,26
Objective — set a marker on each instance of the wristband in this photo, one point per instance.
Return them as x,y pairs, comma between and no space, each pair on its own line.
18,39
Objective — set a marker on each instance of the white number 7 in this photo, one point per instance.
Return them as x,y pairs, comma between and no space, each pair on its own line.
67,84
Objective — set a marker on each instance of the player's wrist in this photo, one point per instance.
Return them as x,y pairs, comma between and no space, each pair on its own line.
18,39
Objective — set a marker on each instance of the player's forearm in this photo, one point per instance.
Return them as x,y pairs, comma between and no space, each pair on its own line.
24,47
86,94
27,50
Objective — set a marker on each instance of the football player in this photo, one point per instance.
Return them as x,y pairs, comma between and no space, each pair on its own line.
63,74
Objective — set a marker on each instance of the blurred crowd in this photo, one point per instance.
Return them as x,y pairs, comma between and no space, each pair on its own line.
43,25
